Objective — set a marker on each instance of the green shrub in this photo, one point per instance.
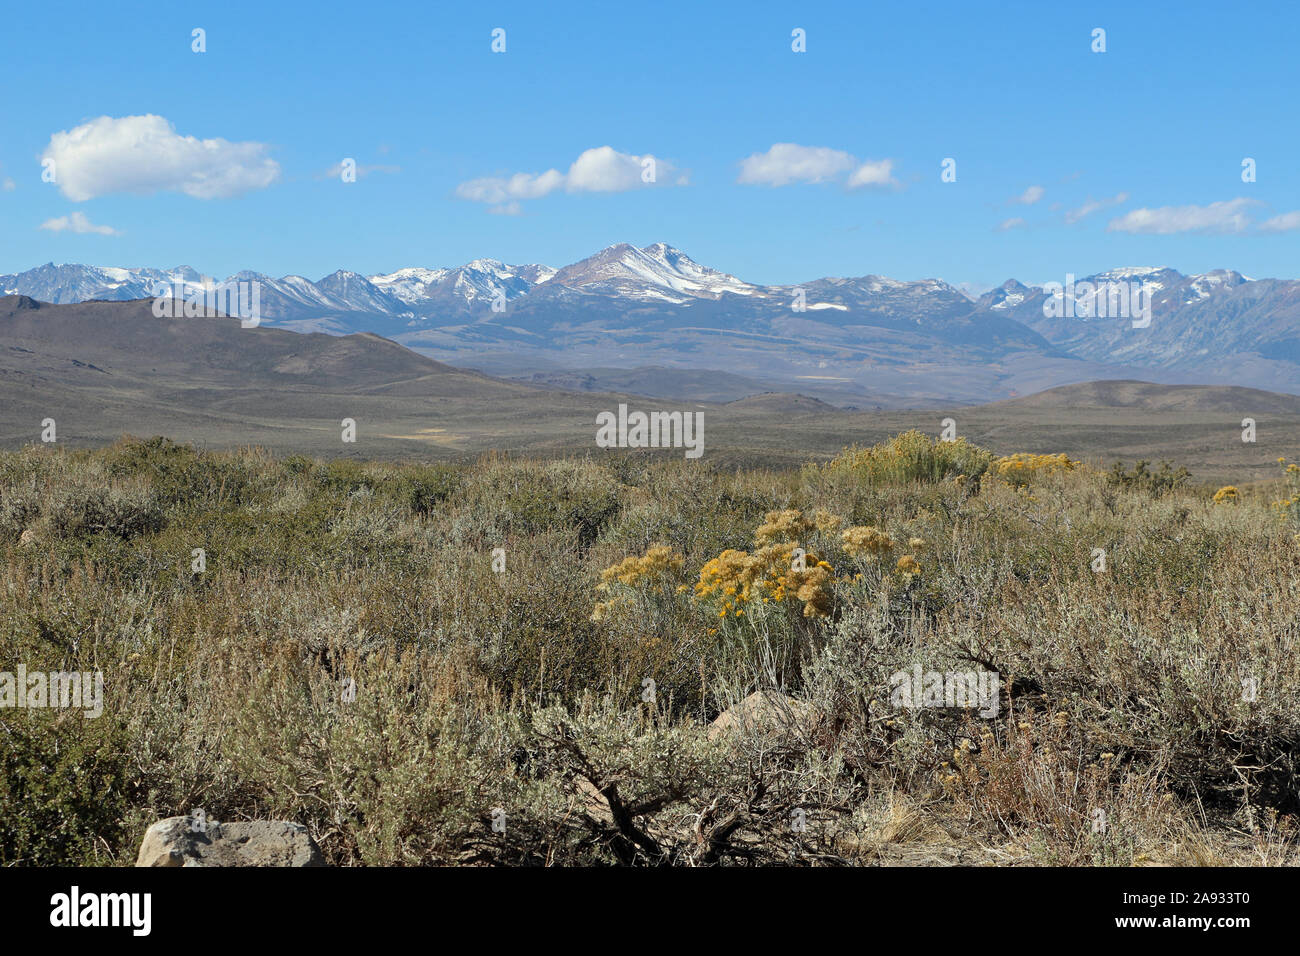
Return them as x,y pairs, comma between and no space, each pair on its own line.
65,788
909,458
1142,478
122,510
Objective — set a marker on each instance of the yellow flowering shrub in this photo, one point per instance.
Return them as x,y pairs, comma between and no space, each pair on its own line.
657,564
789,525
827,522
737,580
865,541
1022,467
656,571
814,586
908,565
1226,495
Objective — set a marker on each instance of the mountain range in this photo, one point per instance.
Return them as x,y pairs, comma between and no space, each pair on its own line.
691,331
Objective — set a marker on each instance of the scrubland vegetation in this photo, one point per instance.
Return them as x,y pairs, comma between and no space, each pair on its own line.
1162,690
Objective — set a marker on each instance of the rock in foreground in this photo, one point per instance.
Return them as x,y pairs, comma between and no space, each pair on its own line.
176,841
766,713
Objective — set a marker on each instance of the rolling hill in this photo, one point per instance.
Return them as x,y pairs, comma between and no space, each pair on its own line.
104,369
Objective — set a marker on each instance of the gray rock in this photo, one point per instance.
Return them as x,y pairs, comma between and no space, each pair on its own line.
187,841
766,713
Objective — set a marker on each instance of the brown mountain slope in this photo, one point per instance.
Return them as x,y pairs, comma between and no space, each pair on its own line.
125,340
1148,396
104,369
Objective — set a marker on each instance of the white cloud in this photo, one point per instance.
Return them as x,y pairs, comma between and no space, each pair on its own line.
1030,196
1094,205
1228,216
145,154
1014,223
599,170
78,223
787,163
605,170
8,185
873,173
1283,223
518,186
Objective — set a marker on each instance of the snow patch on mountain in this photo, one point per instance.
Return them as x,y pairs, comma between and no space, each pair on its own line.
657,272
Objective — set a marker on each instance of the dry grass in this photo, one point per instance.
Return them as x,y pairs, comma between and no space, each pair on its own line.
1122,692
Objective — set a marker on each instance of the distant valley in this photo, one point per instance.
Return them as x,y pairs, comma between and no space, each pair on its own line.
105,369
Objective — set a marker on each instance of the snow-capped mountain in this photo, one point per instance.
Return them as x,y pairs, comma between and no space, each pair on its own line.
474,283
1195,320
402,293
913,303
656,304
657,272
1006,296
360,294
78,283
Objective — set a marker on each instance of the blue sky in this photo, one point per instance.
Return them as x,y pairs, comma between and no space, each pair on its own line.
1152,133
